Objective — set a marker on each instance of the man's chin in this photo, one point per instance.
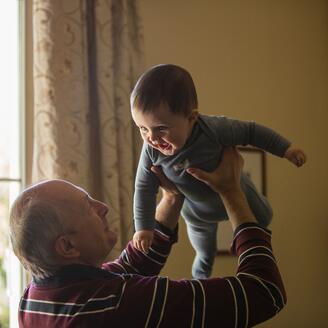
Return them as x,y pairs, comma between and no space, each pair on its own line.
112,243
108,256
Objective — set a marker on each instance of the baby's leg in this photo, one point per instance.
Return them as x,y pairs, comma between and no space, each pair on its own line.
258,203
203,239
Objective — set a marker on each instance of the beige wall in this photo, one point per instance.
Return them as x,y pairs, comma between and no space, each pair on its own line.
265,61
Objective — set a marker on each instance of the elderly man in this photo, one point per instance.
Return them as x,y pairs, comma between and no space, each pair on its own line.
60,234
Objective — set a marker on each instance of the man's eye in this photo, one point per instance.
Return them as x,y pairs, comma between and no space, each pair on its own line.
162,128
142,129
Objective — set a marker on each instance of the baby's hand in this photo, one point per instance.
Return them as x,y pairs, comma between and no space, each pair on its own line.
295,155
143,239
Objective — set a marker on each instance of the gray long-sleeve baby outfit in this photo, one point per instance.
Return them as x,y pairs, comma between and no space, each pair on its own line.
203,150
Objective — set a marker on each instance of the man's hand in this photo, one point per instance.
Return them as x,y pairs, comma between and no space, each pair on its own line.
295,155
164,182
225,180
143,239
226,176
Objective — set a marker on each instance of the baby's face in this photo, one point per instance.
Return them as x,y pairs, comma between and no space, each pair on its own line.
163,130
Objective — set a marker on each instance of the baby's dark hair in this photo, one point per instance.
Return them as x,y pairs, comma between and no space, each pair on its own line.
165,84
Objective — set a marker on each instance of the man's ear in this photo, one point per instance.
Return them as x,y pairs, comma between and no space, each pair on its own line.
65,248
193,115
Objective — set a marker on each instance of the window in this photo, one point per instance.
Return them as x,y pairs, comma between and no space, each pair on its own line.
11,179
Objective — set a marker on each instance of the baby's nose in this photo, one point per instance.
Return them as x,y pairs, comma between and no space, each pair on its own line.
152,136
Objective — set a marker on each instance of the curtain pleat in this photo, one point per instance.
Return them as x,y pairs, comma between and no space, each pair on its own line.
87,57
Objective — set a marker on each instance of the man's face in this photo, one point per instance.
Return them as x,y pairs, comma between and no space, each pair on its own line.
84,219
163,130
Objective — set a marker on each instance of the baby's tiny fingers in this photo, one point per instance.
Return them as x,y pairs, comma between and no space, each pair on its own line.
155,169
294,160
300,159
303,158
145,246
136,245
160,175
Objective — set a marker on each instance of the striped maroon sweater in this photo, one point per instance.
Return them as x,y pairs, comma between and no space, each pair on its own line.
129,293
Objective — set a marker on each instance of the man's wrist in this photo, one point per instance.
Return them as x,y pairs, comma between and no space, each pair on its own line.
236,205
171,233
172,197
231,193
168,210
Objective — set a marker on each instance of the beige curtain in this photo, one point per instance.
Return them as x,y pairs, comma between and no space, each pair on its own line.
87,57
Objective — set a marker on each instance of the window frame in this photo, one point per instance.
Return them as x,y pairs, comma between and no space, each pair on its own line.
16,276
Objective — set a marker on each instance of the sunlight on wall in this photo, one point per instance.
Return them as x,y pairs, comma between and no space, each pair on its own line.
10,169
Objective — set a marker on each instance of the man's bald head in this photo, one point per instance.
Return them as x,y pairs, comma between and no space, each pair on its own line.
37,218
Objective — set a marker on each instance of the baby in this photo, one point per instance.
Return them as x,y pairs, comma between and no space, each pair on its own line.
177,137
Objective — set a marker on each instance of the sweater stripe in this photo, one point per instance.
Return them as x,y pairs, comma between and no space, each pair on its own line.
199,304
158,303
241,307
126,260
163,234
273,291
61,309
122,268
257,250
154,258
164,302
158,253
246,302
267,232
259,254
235,302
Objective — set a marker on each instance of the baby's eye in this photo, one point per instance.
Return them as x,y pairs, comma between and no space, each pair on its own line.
162,128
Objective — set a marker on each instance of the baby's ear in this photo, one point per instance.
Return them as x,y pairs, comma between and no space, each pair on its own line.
193,115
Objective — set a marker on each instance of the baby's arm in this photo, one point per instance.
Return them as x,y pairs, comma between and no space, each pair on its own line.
143,239
144,202
235,133
295,155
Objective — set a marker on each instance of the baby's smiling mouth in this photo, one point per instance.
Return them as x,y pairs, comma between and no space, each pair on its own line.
163,146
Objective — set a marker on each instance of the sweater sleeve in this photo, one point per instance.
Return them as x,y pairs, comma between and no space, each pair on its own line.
134,261
231,132
255,294
146,188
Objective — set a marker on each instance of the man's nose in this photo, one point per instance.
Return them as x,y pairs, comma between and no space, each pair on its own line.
102,209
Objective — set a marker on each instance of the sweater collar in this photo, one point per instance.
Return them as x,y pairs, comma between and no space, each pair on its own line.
73,273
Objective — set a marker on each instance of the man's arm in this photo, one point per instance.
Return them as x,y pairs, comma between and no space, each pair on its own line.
257,292
168,209
253,295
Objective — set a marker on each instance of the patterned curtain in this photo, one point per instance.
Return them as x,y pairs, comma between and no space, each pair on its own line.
87,57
